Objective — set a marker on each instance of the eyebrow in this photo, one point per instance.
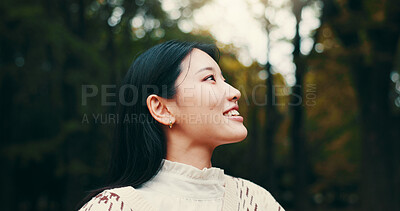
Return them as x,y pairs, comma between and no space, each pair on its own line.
206,68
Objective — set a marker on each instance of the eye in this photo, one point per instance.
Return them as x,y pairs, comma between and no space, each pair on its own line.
210,77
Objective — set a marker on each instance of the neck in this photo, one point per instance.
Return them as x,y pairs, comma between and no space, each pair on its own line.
184,150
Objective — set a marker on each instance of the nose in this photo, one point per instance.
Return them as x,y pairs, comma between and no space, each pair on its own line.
233,93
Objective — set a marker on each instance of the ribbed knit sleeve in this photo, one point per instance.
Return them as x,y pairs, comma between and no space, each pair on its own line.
231,200
118,199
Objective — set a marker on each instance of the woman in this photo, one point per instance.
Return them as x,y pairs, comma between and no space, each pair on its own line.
175,108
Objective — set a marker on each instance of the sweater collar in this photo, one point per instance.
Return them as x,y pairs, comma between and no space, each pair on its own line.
187,181
190,172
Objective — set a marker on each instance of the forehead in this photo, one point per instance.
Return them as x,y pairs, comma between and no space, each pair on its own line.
197,60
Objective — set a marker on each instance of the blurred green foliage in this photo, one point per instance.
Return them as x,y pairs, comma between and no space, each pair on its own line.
49,50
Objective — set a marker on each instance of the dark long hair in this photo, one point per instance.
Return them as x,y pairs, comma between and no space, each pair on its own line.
140,143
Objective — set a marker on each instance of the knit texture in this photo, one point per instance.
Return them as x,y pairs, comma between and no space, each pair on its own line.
240,195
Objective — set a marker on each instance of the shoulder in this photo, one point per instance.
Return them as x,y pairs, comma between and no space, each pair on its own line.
111,199
253,195
117,199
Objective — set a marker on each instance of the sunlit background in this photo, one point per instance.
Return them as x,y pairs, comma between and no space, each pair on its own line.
319,80
256,29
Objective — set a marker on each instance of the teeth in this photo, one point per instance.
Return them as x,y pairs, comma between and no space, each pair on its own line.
232,113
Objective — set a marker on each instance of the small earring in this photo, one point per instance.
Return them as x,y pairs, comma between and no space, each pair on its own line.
170,124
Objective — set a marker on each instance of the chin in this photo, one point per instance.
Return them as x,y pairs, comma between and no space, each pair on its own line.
239,135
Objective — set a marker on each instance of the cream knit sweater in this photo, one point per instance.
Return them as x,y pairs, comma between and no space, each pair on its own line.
182,187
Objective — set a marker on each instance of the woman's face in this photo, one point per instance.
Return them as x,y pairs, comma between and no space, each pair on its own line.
205,107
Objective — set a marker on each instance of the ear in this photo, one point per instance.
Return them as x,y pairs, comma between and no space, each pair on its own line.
159,110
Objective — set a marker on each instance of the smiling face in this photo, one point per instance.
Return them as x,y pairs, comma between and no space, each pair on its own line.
205,106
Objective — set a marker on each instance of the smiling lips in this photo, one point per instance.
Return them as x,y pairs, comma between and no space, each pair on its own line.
234,114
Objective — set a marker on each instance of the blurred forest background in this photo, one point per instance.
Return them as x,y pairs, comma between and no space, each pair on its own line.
327,139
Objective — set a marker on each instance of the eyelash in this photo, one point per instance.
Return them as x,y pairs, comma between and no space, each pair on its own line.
210,76
213,78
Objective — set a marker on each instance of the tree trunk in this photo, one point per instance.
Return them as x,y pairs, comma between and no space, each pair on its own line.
299,149
377,131
273,120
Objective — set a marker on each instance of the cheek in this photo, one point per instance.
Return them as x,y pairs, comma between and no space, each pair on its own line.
200,105
211,98
186,96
